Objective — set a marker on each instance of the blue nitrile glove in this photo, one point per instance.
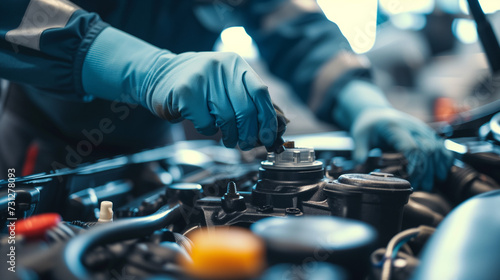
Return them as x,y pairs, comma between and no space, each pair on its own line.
213,90
362,108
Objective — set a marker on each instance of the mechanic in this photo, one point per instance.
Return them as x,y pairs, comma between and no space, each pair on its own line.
92,79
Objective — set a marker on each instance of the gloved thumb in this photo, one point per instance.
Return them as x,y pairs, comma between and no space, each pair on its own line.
282,122
361,147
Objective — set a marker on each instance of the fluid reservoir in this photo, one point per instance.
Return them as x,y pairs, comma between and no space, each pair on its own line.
376,198
228,253
298,240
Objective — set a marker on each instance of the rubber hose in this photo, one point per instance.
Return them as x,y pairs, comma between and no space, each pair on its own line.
71,262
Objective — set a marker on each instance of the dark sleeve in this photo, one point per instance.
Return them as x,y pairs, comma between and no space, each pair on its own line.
300,45
43,44
304,48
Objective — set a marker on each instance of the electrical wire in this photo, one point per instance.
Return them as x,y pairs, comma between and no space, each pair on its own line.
71,263
396,243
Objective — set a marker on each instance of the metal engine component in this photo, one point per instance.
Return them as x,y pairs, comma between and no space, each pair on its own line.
287,178
376,198
158,202
344,242
292,159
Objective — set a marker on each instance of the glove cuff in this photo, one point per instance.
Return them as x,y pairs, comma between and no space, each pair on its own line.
116,66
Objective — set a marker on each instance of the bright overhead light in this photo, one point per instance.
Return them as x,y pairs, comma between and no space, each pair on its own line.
236,39
357,19
392,7
465,30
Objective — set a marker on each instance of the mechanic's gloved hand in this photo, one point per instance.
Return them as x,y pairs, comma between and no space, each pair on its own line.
373,123
390,129
213,90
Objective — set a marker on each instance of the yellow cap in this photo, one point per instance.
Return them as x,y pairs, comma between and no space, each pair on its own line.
225,253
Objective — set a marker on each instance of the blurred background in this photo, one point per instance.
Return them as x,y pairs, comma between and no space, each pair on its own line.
425,55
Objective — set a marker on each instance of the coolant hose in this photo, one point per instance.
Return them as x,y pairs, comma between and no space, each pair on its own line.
71,263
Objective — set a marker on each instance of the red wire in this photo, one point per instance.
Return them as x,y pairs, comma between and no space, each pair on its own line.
30,160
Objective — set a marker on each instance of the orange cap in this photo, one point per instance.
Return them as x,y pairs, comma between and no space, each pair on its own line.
37,225
225,253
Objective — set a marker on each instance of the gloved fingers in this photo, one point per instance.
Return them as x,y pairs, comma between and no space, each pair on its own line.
225,119
266,115
428,173
248,131
437,157
437,160
282,122
427,158
395,136
193,108
417,167
361,147
204,125
246,120
362,135
415,148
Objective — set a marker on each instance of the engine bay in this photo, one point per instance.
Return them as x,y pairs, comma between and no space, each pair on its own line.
196,210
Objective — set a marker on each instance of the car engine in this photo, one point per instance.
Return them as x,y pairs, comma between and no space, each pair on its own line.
196,210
